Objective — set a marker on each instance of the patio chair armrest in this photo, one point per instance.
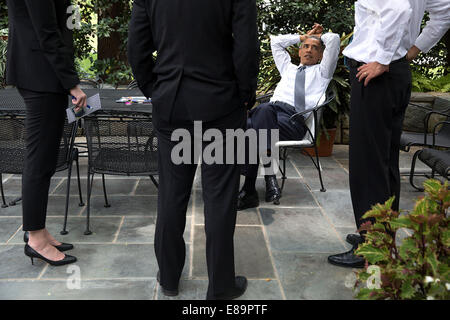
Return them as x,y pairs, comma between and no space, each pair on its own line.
435,131
426,121
263,98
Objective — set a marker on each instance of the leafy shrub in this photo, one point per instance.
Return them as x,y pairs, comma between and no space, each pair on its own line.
3,45
421,83
418,268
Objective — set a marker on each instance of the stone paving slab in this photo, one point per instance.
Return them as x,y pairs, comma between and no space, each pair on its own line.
110,261
89,290
252,257
302,230
308,276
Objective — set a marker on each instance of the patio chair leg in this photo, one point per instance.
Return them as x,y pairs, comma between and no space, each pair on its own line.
81,204
319,168
411,175
283,172
89,188
4,205
154,182
107,205
69,175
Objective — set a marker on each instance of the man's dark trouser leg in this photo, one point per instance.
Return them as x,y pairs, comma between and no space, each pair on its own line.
220,188
175,184
376,120
270,116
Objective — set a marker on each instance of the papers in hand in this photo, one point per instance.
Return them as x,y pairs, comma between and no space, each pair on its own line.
93,104
132,100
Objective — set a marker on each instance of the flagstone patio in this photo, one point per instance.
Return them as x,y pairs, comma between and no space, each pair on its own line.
282,250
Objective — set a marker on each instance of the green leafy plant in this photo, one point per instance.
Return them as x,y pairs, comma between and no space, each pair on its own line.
423,83
3,47
418,267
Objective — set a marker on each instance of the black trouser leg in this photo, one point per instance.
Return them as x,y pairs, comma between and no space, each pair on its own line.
175,184
220,188
269,116
376,119
44,126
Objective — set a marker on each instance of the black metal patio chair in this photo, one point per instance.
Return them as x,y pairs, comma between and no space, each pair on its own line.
13,148
438,138
119,144
312,122
436,155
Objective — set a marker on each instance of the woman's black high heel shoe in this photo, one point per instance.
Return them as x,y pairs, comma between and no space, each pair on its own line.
30,252
62,247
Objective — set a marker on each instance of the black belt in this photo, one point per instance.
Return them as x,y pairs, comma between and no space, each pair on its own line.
356,64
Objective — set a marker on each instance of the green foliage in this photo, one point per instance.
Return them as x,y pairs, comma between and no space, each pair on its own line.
418,268
3,45
114,68
422,83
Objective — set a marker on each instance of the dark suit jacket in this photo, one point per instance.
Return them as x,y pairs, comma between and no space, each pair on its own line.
207,55
40,48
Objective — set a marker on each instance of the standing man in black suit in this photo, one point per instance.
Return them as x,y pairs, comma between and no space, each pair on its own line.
40,63
206,70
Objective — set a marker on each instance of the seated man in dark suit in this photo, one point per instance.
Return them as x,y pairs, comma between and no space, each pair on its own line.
300,88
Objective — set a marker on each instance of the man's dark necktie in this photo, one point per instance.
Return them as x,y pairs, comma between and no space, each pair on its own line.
300,89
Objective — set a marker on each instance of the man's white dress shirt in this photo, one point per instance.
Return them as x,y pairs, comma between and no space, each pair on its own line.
386,29
317,77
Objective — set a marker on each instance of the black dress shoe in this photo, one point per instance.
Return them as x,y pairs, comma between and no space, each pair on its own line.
347,259
273,191
166,292
30,252
354,239
247,200
238,290
62,247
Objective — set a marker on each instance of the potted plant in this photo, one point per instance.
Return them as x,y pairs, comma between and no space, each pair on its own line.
418,267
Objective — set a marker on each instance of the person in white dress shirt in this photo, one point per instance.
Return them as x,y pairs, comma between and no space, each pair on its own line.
386,38
319,55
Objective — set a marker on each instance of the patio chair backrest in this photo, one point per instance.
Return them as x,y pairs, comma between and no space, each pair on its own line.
121,145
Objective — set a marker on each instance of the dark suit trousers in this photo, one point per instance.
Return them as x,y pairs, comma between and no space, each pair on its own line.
220,184
376,120
271,116
44,125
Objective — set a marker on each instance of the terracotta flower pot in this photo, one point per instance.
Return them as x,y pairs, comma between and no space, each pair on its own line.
325,147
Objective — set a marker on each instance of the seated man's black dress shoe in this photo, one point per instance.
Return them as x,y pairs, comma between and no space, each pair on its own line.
62,247
247,200
238,290
347,259
273,191
166,292
354,239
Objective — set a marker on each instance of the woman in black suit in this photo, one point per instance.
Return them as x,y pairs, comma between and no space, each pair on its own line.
40,63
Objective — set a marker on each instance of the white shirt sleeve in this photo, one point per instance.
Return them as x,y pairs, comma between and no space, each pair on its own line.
328,64
280,55
437,26
394,17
